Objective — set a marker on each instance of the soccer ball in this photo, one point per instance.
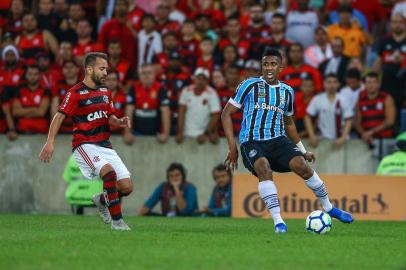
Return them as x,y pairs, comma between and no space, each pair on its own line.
318,222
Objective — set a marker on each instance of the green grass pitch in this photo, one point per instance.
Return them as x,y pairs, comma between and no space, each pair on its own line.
83,242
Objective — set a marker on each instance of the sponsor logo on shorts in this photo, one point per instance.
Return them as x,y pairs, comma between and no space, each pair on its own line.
96,159
252,153
297,149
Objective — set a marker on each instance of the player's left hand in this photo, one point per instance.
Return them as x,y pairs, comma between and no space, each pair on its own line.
309,156
125,122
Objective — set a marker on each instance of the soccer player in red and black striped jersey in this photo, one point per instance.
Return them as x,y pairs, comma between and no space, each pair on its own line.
90,105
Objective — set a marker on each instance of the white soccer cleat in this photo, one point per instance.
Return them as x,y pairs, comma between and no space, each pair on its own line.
103,209
119,225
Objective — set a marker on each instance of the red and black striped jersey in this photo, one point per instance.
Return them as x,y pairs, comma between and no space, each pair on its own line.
90,110
30,47
293,76
373,113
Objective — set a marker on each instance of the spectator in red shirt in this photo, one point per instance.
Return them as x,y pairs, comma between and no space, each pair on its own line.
120,28
85,43
302,100
49,75
189,44
294,73
164,23
135,17
65,53
257,30
33,40
31,104
70,71
14,19
119,98
233,36
204,27
121,65
170,44
11,70
229,9
148,107
230,57
206,59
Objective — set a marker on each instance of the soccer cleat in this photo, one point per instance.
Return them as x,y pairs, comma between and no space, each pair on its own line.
103,209
281,228
341,215
119,225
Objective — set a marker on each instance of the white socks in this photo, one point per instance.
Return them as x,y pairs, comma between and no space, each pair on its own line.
267,191
320,190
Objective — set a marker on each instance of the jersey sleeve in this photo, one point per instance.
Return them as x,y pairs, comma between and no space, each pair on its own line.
289,109
241,93
69,104
214,103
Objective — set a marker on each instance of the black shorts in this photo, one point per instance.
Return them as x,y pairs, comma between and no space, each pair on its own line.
278,151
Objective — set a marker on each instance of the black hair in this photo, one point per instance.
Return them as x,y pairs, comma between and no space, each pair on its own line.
90,58
331,75
345,8
371,75
401,145
353,73
32,66
272,52
220,168
148,16
115,72
280,16
179,167
113,41
207,38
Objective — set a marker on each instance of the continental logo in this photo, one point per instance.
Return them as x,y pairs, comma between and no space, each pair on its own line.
364,204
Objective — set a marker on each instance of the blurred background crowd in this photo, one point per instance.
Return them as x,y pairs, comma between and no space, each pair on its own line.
174,64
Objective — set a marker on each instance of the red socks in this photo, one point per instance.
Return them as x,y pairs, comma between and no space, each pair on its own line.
111,195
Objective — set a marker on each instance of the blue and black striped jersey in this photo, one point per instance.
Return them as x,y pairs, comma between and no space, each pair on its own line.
264,107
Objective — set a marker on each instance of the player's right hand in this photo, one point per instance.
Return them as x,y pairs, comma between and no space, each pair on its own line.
232,158
46,152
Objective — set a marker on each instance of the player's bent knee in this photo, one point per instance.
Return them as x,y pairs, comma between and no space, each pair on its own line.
263,169
105,169
125,186
300,167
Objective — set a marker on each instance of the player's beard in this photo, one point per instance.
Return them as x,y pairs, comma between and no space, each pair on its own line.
96,80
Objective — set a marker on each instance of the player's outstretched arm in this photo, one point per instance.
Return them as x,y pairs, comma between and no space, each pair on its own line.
232,157
48,149
122,122
293,135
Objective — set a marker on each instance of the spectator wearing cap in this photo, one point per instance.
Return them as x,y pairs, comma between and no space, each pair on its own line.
277,40
85,43
395,164
256,31
252,68
175,14
220,202
149,40
233,36
301,24
321,50
31,104
199,110
206,57
121,65
70,71
296,70
119,28
232,79
148,107
49,75
33,40
338,63
164,23
354,38
7,39
353,87
356,15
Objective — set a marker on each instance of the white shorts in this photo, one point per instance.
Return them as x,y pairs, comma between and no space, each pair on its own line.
91,158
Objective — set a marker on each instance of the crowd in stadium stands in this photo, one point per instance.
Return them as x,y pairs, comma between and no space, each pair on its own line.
175,63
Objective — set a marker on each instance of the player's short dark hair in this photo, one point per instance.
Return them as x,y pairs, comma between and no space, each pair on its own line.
296,44
345,8
279,16
206,38
221,168
90,58
272,52
353,73
175,166
148,16
371,75
69,61
113,41
331,75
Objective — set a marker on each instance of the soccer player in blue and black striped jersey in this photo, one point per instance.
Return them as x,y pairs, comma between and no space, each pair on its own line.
269,139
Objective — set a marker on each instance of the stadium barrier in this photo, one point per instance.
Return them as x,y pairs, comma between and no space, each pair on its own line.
368,197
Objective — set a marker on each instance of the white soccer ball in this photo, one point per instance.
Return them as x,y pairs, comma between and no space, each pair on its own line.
318,222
